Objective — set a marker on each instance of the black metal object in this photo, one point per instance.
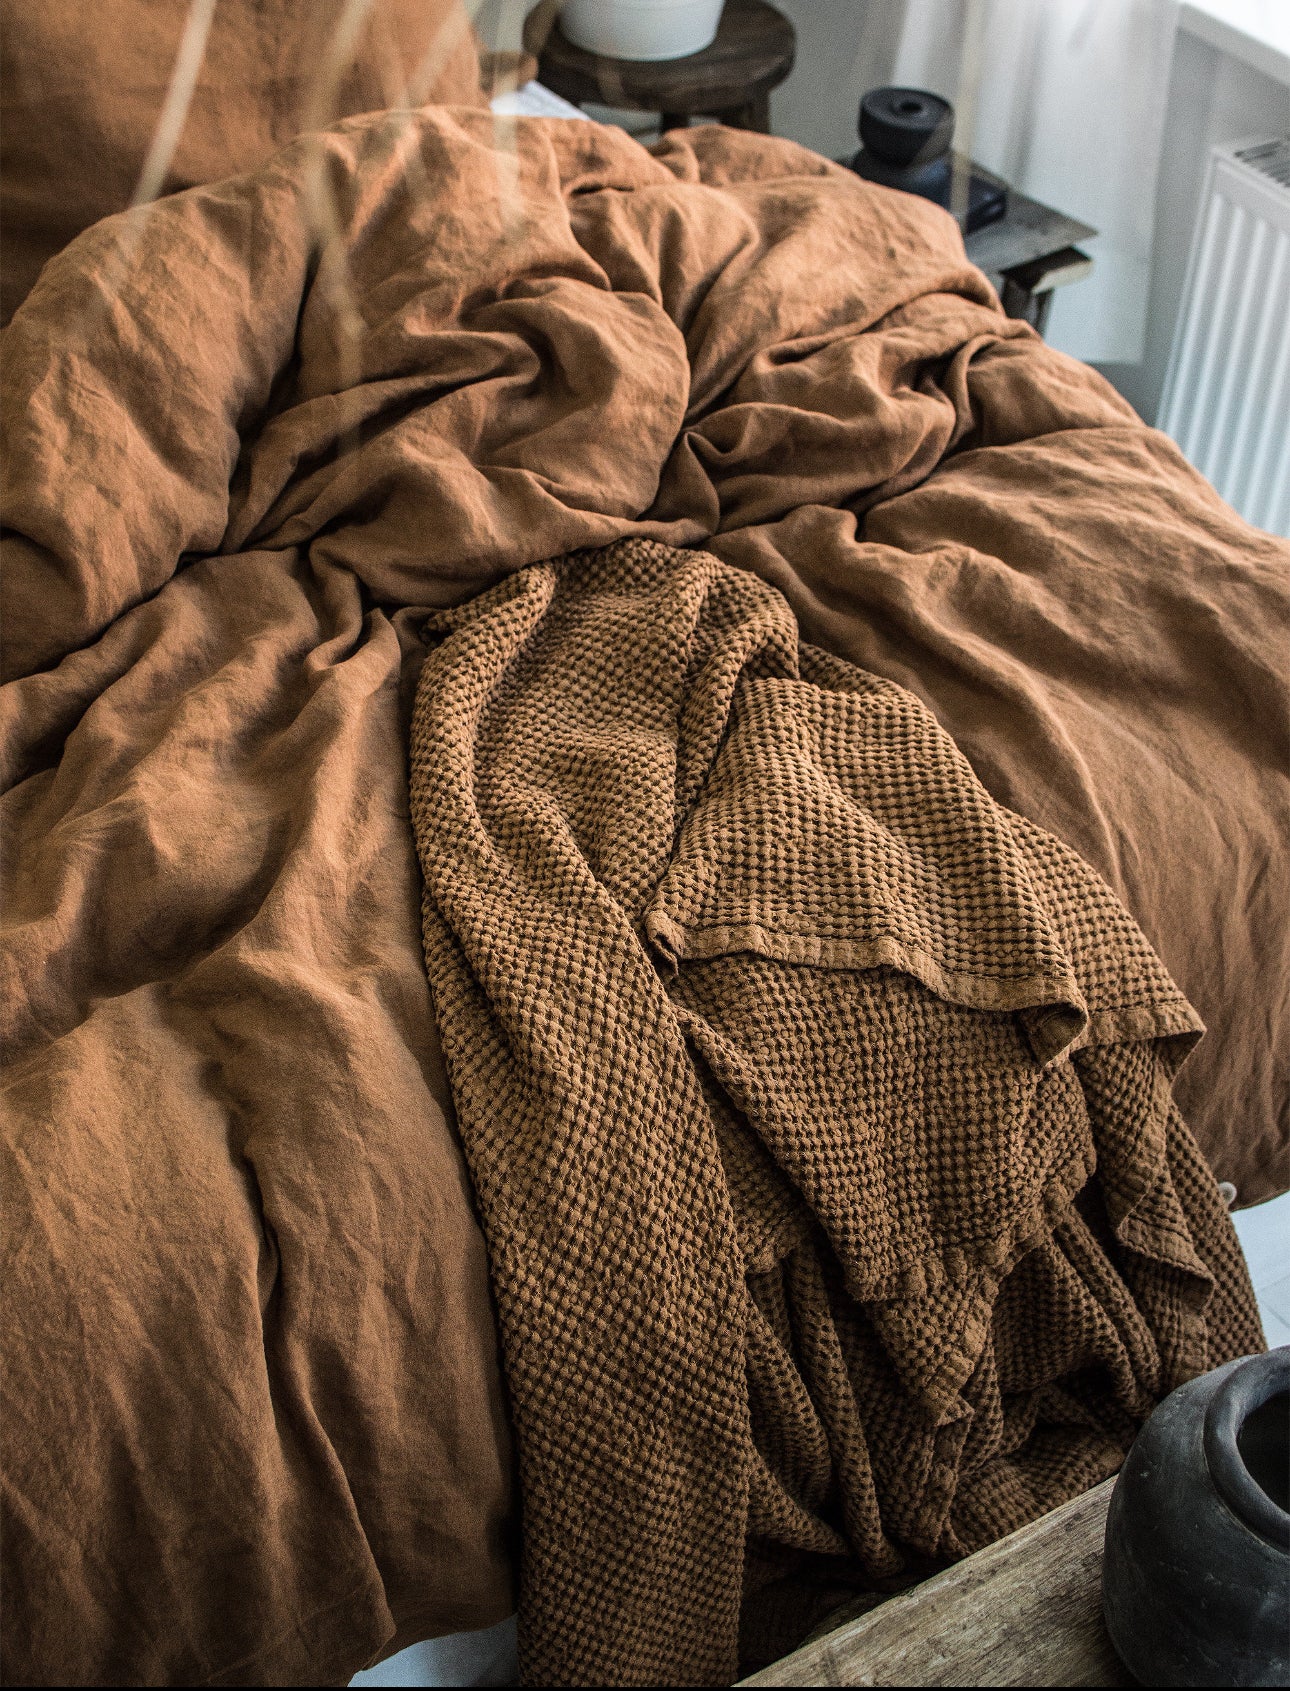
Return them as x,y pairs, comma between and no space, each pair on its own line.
1196,1575
907,135
906,127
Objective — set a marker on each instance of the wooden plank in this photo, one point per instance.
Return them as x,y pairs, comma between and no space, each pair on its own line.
1028,231
1025,1611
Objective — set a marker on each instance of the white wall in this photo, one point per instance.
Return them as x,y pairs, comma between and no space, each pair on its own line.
1213,99
843,48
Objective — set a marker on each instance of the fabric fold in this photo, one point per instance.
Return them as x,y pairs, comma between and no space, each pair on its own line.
844,830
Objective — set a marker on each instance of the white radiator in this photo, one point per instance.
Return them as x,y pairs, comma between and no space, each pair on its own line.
1226,398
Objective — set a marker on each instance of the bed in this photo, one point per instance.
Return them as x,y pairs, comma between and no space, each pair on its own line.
257,433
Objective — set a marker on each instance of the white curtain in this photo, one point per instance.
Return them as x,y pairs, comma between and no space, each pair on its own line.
1065,99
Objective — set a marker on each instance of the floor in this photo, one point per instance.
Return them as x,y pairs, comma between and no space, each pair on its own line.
1264,1232
463,1658
488,1658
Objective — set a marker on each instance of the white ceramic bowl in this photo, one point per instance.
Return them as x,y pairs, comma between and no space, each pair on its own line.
641,29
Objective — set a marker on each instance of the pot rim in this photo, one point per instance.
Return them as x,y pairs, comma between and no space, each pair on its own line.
1247,1388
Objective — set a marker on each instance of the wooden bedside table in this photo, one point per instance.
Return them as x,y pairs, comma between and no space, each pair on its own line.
730,80
1028,252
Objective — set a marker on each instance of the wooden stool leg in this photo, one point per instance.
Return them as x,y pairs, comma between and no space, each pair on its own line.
1026,304
754,115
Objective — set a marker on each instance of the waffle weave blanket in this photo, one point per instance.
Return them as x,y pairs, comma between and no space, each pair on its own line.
818,1108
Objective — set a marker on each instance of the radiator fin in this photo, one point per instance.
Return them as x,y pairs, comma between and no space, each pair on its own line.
1271,158
1227,393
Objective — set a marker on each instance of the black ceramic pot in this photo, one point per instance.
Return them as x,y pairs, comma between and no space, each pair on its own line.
1196,1576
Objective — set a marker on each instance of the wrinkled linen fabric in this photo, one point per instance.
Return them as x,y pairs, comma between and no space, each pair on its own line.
880,1228
254,1428
83,97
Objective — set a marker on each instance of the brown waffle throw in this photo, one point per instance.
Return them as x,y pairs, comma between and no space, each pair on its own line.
818,1110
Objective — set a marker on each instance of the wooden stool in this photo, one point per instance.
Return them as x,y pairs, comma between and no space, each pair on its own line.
730,80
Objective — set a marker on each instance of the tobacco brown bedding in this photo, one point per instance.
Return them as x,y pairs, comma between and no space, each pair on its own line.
82,100
254,1428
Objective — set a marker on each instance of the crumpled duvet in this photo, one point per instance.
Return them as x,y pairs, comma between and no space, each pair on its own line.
253,436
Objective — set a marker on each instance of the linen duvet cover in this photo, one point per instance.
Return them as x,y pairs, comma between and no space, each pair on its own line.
257,436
